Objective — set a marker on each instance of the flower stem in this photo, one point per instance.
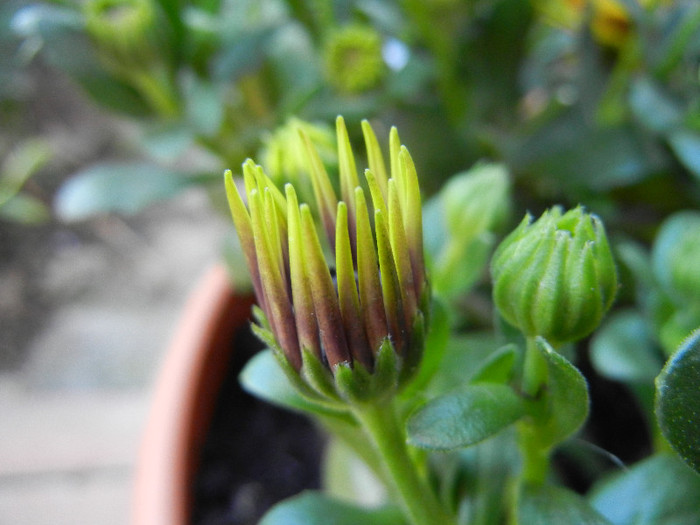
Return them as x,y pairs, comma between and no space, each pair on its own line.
418,500
535,457
534,369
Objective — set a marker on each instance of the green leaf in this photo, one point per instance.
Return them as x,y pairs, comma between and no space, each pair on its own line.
204,105
165,143
547,505
565,402
117,187
263,378
24,209
312,508
464,418
464,356
678,401
660,490
498,367
686,145
23,161
623,349
654,108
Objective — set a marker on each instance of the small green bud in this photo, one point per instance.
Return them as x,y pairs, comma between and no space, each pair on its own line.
353,58
555,277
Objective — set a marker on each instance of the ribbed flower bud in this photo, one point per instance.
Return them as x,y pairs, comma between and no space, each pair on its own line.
555,277
343,310
353,58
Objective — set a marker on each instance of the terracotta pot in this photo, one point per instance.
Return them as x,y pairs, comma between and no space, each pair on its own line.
184,399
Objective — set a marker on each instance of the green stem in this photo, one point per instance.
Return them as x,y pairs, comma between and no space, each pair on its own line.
535,458
418,500
534,369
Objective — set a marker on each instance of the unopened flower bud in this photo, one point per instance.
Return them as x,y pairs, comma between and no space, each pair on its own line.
353,58
351,328
555,277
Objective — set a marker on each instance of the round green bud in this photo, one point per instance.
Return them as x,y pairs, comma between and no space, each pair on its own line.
675,257
555,277
353,58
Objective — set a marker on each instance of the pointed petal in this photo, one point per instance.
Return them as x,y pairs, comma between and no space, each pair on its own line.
402,260
390,283
244,228
323,292
278,306
347,291
249,171
394,149
302,300
413,219
368,277
277,234
323,190
378,198
346,160
375,157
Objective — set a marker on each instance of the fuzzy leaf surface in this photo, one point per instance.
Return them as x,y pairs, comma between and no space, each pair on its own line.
465,417
678,401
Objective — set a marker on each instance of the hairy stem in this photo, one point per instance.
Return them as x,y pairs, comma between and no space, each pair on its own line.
417,498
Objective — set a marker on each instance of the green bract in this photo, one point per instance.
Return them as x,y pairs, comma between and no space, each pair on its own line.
352,327
555,277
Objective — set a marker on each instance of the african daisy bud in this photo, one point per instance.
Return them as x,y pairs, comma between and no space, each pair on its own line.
351,328
555,277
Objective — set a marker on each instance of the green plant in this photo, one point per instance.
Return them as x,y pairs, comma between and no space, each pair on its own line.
460,426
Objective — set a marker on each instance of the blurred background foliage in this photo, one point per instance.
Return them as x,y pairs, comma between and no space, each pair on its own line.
594,102
506,106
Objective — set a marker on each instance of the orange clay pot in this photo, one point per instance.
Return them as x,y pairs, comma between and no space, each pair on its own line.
183,401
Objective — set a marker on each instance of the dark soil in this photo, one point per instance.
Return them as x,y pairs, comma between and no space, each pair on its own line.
255,454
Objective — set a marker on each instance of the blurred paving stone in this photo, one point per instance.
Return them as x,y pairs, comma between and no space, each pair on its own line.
95,498
74,412
94,347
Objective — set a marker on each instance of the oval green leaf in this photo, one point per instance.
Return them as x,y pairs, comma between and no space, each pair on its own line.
549,504
566,398
117,187
660,490
623,349
463,418
678,401
312,508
